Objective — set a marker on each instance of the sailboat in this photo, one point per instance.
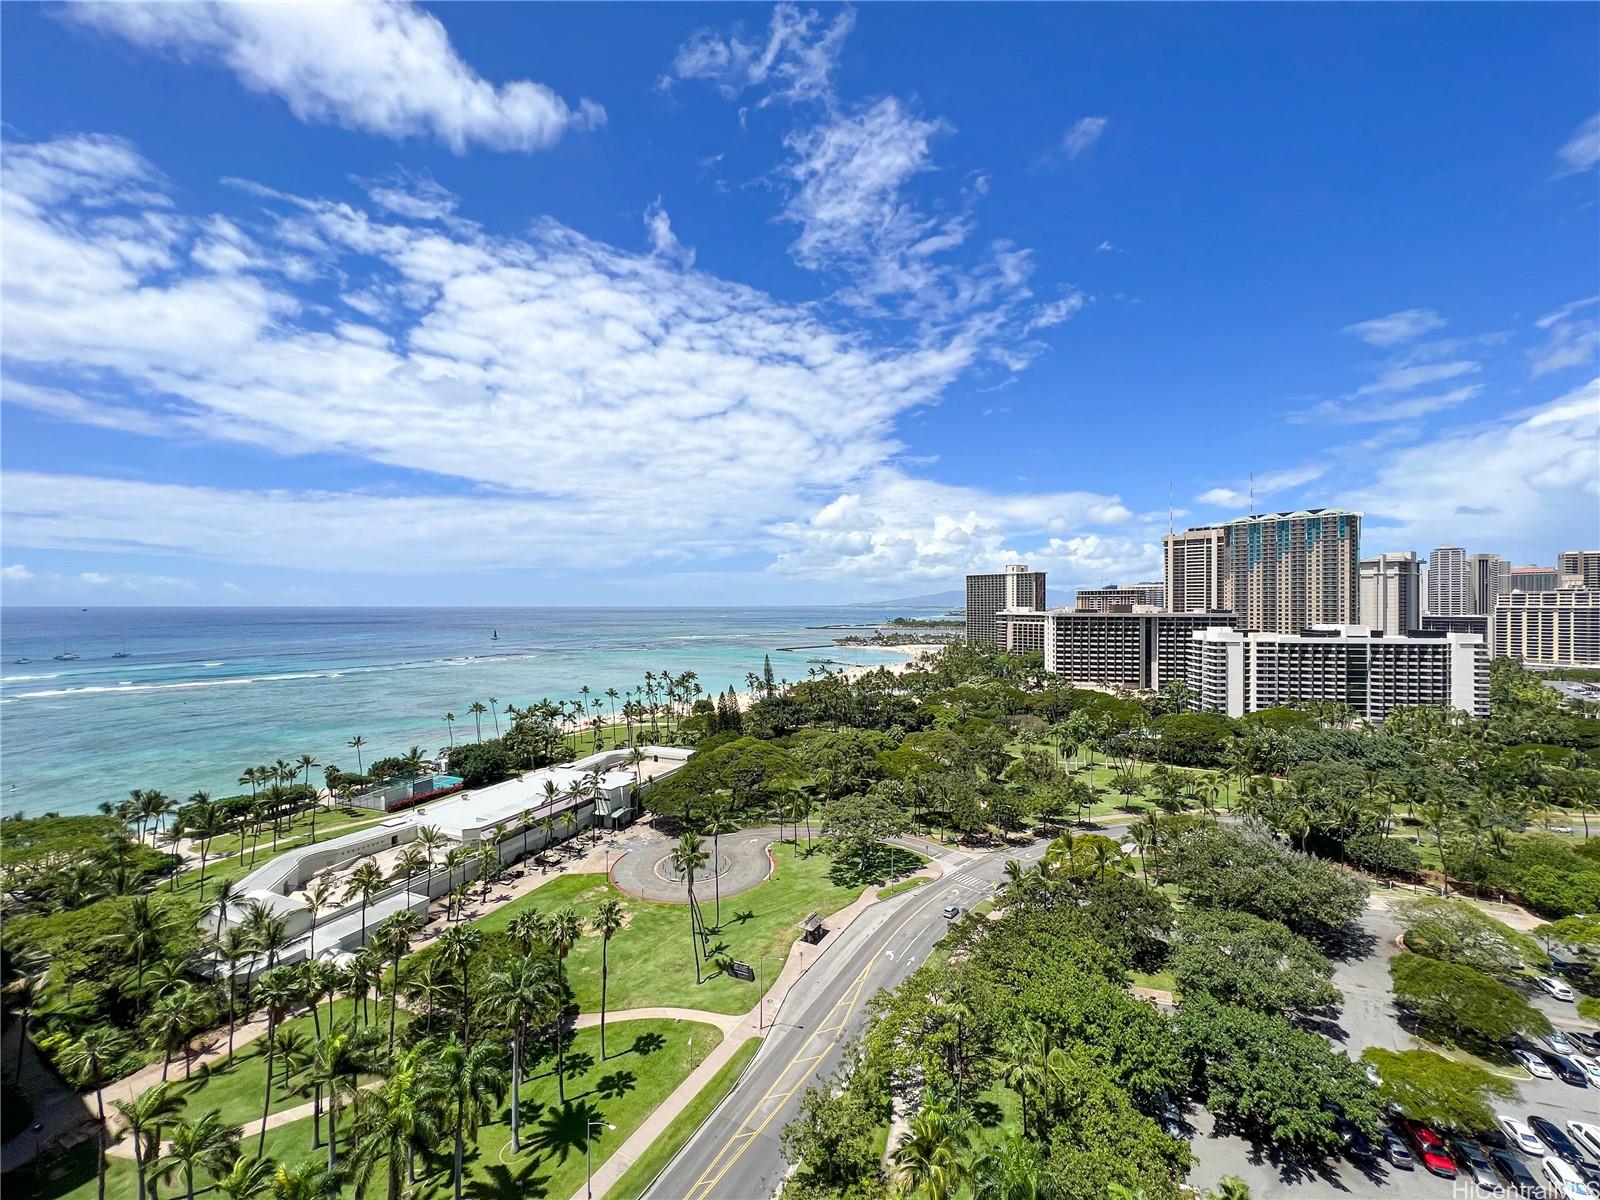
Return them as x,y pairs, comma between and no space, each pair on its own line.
495,636
123,653
66,656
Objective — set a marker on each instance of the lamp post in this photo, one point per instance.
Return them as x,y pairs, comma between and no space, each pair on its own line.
588,1156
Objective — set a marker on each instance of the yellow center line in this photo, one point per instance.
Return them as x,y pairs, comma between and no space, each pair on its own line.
702,1186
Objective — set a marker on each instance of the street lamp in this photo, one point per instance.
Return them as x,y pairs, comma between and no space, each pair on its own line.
588,1156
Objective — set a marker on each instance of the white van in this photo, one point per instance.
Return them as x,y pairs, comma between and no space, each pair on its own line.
1565,1182
1586,1135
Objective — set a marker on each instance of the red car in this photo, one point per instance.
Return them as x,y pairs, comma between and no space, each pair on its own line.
1431,1150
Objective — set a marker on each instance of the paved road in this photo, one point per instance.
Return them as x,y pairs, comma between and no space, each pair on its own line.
736,1155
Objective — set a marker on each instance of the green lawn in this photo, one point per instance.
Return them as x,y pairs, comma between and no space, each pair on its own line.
654,1160
1161,981
236,1088
650,957
622,1091
905,885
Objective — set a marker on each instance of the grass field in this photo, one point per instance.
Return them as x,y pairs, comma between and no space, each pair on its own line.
622,1091
650,957
654,1160
905,885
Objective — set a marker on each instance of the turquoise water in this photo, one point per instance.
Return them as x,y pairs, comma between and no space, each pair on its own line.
205,693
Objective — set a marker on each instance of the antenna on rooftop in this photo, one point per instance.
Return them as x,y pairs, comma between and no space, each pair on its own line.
1169,508
1252,493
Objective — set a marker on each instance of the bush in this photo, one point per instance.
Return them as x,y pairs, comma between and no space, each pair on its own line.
1381,855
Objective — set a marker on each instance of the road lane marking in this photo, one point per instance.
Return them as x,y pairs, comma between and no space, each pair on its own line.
702,1187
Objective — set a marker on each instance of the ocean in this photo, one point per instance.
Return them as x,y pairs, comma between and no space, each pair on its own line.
204,693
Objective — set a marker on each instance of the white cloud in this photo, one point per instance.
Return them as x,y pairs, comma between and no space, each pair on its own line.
796,61
893,527
1531,478
663,242
1398,327
1105,247
1582,150
385,67
1387,408
416,199
562,401
1084,132
15,573
1262,487
1573,341
1404,376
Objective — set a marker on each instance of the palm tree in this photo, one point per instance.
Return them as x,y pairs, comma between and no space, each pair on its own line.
170,1021
143,930
456,948
311,1180
608,918
355,744
395,935
306,764
396,1119
318,896
520,993
144,1117
477,709
430,838
718,822
247,1179
366,881
687,858
473,1084
203,1142
88,1063
450,728
495,714
929,1159
565,928
335,1064
277,992
202,823
1008,1171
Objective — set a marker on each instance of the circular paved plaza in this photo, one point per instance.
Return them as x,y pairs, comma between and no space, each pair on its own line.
646,869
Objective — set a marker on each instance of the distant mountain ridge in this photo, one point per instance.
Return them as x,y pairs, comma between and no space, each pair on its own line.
952,599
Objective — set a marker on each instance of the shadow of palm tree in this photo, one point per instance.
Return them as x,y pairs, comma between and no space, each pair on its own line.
514,1182
646,1044
564,1129
579,1062
618,1083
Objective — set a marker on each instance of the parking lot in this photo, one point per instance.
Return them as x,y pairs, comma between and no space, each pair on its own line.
1368,1019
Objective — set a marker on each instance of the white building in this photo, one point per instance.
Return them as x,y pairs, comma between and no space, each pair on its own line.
1237,673
1559,628
1449,582
1579,568
1144,650
1391,598
1192,572
511,815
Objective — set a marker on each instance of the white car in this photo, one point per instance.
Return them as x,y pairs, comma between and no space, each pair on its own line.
1557,1041
1591,1068
1521,1135
1536,1066
1586,1135
1565,1182
1554,987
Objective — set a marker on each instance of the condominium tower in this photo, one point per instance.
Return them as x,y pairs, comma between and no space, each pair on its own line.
1490,578
1193,570
1284,572
1579,568
1555,628
1015,587
1534,579
1449,582
1391,599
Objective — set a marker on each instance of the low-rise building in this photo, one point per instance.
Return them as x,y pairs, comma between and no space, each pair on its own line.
1373,674
1558,628
1144,650
1136,597
1477,623
1533,579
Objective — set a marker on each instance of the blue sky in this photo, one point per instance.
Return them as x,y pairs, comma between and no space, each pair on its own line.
694,304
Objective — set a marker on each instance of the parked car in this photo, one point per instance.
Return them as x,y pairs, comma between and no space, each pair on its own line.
1567,1071
1557,1041
1429,1147
1394,1149
1533,1063
1586,1135
1559,1144
1583,1041
1474,1164
1522,1137
1554,987
1357,1145
1519,1180
1563,1182
1590,1065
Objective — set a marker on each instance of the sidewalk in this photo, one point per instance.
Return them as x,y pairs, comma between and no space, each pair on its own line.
739,1030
